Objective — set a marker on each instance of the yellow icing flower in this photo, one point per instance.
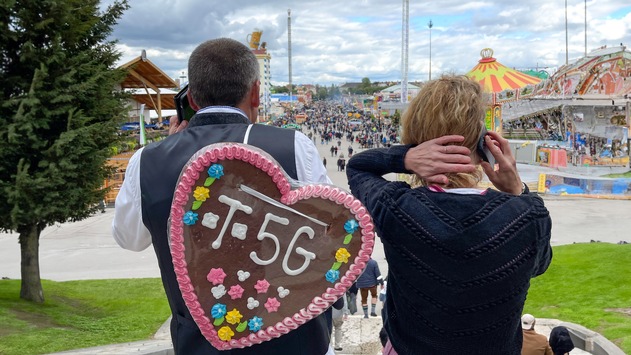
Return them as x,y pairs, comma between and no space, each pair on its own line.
234,316
201,193
342,255
225,333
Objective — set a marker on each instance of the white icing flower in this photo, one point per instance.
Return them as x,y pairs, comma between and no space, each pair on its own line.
282,292
210,220
218,291
239,230
252,303
243,275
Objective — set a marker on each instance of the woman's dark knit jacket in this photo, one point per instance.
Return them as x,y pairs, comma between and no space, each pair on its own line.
459,266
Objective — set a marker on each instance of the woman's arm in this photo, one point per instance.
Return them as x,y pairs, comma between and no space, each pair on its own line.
544,231
378,161
433,159
430,160
365,171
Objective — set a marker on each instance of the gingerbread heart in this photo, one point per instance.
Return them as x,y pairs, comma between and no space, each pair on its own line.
254,258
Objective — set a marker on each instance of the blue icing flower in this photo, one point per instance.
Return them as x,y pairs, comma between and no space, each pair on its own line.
218,310
332,275
255,324
215,171
190,218
351,226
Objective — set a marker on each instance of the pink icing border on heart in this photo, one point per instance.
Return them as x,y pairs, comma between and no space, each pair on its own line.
261,160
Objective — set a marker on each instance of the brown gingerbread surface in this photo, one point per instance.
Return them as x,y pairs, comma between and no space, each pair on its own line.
234,254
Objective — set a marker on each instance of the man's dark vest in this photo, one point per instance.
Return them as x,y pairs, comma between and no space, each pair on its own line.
160,167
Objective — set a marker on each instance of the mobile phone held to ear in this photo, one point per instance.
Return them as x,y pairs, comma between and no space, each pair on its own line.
483,151
182,106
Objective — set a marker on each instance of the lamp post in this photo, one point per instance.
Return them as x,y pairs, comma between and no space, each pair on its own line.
566,48
405,38
430,25
289,56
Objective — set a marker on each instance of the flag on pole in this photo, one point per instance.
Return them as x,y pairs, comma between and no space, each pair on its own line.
143,136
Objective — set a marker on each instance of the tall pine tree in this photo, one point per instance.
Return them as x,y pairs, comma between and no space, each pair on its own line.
58,117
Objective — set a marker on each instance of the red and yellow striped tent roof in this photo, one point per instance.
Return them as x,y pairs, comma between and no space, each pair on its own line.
495,77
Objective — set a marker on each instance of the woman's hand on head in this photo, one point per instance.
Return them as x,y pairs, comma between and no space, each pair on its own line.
433,159
505,178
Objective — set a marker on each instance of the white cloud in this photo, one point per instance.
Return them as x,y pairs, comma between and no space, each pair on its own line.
336,41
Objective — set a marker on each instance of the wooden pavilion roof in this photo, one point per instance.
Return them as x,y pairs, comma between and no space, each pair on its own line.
143,74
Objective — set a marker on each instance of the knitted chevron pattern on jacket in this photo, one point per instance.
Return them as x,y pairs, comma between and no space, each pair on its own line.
459,266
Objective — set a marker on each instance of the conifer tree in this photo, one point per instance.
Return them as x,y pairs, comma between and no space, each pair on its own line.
58,117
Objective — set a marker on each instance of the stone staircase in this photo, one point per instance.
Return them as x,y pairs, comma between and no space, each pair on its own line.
360,336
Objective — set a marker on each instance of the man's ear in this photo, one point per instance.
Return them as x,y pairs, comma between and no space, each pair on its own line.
191,101
255,99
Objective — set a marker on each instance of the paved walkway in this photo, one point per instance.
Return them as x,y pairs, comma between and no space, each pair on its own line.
86,250
354,334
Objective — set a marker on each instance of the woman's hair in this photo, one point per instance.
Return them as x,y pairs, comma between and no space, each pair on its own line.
221,72
449,105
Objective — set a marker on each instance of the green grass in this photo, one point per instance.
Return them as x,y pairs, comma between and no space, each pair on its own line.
587,284
79,314
623,175
590,285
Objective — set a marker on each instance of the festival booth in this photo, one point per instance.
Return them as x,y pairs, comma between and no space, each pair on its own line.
538,152
114,183
610,188
551,156
598,135
603,71
502,83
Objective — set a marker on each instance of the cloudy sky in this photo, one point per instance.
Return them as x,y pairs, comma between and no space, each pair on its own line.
334,42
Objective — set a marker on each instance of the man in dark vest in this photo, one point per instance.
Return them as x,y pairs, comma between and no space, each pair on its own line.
224,90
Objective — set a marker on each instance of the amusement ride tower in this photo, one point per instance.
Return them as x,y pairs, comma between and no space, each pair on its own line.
289,52
263,57
404,50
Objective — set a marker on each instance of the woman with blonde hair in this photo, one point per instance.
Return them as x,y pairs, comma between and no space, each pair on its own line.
460,258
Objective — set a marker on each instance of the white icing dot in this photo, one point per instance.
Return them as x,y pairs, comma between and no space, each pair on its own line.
235,205
282,292
252,303
239,230
210,220
243,275
218,291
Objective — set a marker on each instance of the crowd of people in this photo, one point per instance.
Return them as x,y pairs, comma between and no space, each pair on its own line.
460,258
329,123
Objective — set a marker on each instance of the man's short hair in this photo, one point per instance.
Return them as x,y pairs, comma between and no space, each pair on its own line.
221,72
